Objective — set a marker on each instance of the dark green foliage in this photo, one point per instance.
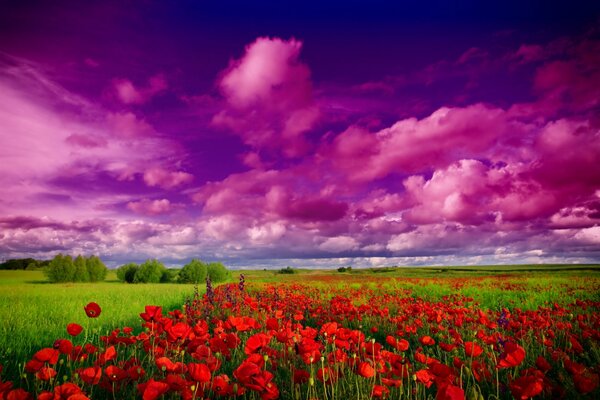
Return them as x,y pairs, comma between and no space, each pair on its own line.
217,272
126,273
169,275
81,273
96,269
61,269
287,270
344,269
24,263
151,271
193,272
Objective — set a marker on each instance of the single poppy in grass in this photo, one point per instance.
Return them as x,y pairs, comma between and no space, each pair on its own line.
74,329
92,310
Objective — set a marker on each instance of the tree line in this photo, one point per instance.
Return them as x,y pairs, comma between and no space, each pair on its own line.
153,271
64,268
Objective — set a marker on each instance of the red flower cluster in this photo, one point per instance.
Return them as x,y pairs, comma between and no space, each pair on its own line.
285,341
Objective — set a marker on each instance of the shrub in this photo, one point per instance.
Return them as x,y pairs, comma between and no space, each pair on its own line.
96,269
81,272
61,269
126,273
287,270
151,271
193,272
169,275
218,272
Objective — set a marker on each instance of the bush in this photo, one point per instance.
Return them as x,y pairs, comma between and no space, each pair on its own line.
151,271
193,272
81,272
169,275
61,269
96,269
126,273
287,270
217,272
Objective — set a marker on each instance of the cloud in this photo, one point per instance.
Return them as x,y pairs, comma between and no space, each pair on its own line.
158,176
268,93
339,244
411,145
150,207
128,93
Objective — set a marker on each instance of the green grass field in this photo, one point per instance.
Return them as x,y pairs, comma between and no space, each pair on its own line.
33,313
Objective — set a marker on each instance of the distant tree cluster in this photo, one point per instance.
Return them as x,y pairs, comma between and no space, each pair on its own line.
287,270
29,264
153,271
63,268
344,269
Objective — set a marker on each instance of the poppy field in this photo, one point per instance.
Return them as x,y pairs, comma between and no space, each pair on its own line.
335,336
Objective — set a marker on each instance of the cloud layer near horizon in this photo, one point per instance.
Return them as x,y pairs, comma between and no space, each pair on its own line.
316,173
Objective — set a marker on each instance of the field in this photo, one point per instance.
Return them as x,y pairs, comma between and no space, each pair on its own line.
444,333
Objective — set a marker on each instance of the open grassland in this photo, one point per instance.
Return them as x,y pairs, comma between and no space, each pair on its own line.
418,333
33,312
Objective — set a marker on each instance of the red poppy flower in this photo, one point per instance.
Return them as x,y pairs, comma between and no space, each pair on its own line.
92,310
380,392
74,329
513,355
47,355
586,383
46,373
152,389
427,341
473,349
450,392
398,344
19,394
115,374
68,391
199,372
153,313
221,386
91,375
526,387
366,370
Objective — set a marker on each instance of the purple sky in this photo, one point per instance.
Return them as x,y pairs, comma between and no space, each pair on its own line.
350,133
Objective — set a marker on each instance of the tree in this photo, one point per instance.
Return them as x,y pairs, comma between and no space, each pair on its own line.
80,270
217,272
193,272
151,271
126,273
61,269
96,269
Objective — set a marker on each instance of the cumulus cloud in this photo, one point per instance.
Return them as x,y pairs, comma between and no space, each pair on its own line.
269,97
150,207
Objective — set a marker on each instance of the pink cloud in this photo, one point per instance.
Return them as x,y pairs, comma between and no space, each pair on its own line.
85,140
269,97
150,207
127,93
127,125
411,145
158,176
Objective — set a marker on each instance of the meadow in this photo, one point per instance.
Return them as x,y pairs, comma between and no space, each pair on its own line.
419,333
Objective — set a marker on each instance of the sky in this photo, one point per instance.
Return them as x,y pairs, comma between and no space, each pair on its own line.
309,134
